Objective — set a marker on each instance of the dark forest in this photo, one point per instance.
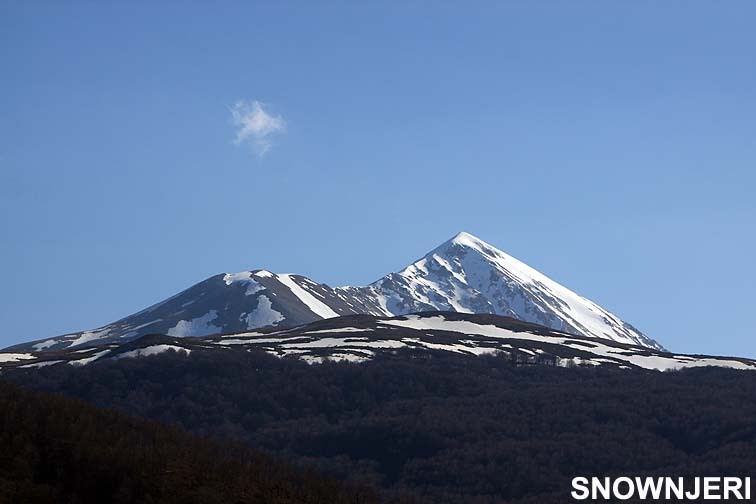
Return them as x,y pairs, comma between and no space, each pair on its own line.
60,450
445,427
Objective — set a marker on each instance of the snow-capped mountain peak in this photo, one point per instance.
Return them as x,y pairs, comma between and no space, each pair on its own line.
467,240
464,274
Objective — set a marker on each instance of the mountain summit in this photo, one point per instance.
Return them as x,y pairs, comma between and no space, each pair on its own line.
464,274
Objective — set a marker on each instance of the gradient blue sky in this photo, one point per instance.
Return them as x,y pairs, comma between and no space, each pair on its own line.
611,145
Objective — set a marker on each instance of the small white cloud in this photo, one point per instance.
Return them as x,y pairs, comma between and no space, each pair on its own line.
254,125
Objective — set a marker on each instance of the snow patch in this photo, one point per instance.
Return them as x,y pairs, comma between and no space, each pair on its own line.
44,344
315,305
152,350
244,278
87,360
200,326
14,357
346,342
42,364
338,330
264,314
133,329
88,336
594,346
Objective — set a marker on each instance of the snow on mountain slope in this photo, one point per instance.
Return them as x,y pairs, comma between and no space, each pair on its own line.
467,275
464,275
223,303
357,338
316,306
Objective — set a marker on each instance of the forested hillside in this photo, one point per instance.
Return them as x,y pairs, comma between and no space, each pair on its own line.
450,427
60,450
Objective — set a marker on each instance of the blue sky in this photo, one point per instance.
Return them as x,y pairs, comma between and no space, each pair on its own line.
611,145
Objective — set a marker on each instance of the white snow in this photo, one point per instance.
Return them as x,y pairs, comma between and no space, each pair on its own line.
44,344
612,354
87,360
451,347
230,278
464,274
133,329
88,336
152,350
14,357
348,357
242,335
244,278
42,364
359,344
200,326
264,314
577,361
525,350
580,312
346,342
252,341
382,302
467,275
315,305
334,357
336,330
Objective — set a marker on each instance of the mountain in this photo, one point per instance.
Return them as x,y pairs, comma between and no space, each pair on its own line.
423,412
358,338
464,275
